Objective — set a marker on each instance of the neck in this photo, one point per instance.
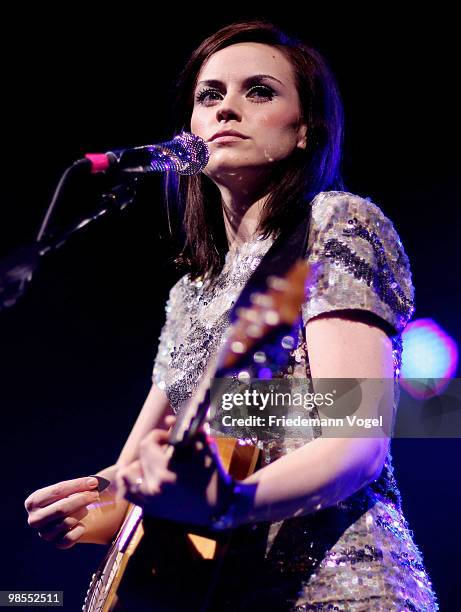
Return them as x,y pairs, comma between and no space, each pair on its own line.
243,196
242,204
241,213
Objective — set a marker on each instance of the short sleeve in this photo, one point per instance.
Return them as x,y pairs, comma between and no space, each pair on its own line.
361,263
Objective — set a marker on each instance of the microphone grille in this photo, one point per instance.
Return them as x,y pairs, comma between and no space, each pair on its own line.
189,154
186,154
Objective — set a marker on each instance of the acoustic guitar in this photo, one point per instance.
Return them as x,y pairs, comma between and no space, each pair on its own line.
160,565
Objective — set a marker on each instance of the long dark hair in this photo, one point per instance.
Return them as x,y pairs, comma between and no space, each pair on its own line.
298,178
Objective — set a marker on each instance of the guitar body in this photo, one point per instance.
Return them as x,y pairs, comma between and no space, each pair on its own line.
157,565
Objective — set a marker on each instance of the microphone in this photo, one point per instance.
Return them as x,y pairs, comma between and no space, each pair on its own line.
186,154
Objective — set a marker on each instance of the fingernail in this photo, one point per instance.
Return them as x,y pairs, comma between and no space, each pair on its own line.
92,482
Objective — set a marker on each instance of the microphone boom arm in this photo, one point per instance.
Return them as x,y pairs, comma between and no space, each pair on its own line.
17,268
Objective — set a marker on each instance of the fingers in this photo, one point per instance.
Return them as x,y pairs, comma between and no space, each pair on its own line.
156,436
154,462
48,495
146,476
153,444
154,481
170,420
71,537
143,477
127,477
56,510
57,529
40,517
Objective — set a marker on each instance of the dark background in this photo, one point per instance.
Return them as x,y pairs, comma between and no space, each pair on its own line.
77,349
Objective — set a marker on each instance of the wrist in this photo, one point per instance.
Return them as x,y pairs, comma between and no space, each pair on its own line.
237,509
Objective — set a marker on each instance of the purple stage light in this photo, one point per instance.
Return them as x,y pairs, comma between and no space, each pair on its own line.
265,374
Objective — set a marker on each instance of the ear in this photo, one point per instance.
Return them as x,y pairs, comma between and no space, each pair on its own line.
302,136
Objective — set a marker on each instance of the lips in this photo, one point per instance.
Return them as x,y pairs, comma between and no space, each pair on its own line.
227,133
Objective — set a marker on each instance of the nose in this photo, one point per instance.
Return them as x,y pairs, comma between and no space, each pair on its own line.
228,110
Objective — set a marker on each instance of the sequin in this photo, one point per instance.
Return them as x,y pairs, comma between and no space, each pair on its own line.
358,555
363,264
353,555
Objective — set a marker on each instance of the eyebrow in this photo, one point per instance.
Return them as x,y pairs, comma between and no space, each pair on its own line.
246,83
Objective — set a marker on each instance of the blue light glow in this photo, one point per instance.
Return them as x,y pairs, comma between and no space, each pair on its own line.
428,353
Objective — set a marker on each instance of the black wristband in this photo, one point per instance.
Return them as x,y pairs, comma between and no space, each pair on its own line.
224,519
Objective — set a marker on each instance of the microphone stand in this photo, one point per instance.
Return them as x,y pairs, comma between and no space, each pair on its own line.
17,268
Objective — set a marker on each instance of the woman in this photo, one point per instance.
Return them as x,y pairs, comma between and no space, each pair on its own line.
329,509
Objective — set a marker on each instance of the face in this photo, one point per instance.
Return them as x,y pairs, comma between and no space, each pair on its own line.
248,89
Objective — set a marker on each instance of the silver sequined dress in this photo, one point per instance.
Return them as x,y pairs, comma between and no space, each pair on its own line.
360,553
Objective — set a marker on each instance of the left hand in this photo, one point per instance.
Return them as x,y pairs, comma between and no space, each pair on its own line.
188,490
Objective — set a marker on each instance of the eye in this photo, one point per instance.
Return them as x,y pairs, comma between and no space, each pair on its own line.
257,93
207,96
261,93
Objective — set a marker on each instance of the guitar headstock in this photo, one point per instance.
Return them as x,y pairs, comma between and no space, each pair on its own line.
277,307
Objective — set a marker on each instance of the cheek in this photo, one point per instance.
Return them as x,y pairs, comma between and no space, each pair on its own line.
197,124
279,133
284,121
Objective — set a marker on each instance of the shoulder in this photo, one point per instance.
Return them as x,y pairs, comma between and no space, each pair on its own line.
182,287
184,294
363,262
344,216
179,287
340,206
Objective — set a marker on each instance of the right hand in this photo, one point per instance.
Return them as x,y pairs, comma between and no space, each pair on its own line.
56,511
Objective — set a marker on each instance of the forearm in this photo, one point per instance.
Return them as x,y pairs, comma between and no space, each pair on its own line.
328,470
315,476
105,516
